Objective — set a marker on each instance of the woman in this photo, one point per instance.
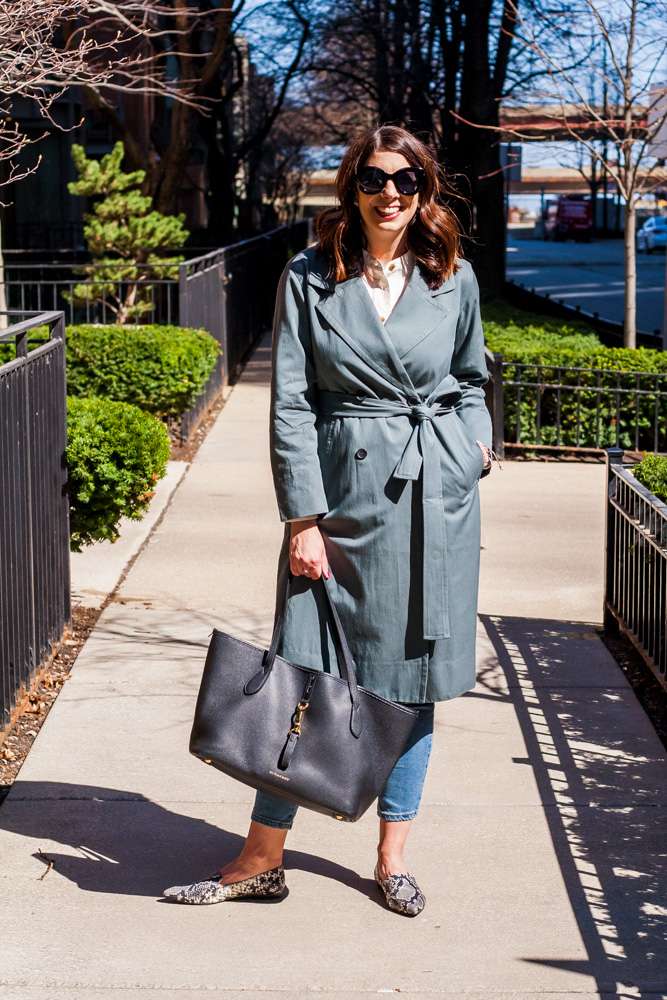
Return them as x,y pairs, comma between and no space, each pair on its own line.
379,434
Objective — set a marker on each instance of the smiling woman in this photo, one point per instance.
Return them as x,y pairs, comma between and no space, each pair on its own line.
379,436
370,212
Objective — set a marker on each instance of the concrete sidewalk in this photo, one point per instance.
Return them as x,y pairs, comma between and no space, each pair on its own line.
540,844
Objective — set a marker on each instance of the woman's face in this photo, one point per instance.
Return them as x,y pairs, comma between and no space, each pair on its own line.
389,212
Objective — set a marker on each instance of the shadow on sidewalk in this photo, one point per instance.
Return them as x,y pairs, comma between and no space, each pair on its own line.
123,843
601,772
257,370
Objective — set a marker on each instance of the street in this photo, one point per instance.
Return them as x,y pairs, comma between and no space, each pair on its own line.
590,275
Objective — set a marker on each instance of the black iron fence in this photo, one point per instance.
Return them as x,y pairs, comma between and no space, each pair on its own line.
559,407
34,534
163,293
231,293
635,597
105,294
228,292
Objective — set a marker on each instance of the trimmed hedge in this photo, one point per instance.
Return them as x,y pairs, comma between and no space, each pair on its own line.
652,473
161,369
535,341
115,455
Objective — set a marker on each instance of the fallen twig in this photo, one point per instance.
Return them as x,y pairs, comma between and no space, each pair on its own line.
51,864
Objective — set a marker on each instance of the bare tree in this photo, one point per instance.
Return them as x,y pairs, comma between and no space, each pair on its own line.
440,68
215,63
48,46
622,46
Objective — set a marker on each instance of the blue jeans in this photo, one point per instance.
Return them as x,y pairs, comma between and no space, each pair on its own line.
398,800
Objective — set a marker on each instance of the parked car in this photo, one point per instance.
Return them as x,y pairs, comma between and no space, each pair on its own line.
569,217
652,235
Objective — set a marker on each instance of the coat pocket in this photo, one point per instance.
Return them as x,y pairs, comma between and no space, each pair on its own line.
462,460
475,450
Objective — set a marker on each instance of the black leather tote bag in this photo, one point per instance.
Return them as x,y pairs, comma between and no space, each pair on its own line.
299,734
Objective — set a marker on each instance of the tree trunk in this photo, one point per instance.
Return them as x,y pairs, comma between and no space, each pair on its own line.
482,168
175,160
630,315
477,153
221,173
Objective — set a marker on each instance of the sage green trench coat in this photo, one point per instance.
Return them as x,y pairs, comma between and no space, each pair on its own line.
374,428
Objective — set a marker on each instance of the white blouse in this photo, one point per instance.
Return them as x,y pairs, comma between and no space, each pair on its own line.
385,284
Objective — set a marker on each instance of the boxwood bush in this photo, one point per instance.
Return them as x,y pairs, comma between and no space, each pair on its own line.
652,473
544,345
161,369
115,455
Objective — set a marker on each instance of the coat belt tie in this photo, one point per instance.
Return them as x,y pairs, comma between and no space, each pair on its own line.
421,451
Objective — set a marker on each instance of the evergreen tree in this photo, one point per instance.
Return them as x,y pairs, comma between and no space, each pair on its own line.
123,236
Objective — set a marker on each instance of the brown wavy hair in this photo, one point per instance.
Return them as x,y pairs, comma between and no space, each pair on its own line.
433,234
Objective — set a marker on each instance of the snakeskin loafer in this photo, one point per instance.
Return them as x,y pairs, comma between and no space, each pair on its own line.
267,885
402,894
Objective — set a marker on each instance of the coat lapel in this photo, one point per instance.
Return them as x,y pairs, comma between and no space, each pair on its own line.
348,308
418,312
351,313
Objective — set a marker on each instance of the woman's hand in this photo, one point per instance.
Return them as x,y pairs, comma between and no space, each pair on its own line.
307,554
486,453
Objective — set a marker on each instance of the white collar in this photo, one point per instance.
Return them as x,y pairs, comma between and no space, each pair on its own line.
399,265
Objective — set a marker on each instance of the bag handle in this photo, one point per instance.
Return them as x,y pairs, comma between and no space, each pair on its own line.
343,655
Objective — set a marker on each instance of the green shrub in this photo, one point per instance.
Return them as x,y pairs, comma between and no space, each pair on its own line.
161,369
652,473
122,233
506,315
115,455
545,344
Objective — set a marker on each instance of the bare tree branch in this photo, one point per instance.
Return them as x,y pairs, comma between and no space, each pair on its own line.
621,61
49,46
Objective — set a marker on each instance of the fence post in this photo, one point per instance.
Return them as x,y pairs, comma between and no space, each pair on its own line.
183,317
613,457
225,277
59,332
498,407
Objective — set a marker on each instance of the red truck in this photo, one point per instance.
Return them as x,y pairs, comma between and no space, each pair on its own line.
569,217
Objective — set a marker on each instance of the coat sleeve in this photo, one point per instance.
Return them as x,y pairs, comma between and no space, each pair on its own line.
297,474
468,362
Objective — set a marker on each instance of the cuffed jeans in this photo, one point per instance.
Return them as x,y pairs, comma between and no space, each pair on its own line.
398,800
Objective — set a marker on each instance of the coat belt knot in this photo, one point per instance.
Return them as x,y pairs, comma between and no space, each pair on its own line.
420,453
422,411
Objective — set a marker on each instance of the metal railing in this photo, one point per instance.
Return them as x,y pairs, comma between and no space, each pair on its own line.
228,292
635,598
560,407
34,535
231,293
85,299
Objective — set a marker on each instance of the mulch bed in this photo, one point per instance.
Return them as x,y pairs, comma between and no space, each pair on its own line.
16,745
186,453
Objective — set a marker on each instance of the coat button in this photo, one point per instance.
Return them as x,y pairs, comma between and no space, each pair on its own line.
360,397
361,454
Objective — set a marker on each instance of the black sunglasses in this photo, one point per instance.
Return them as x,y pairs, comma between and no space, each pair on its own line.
408,180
